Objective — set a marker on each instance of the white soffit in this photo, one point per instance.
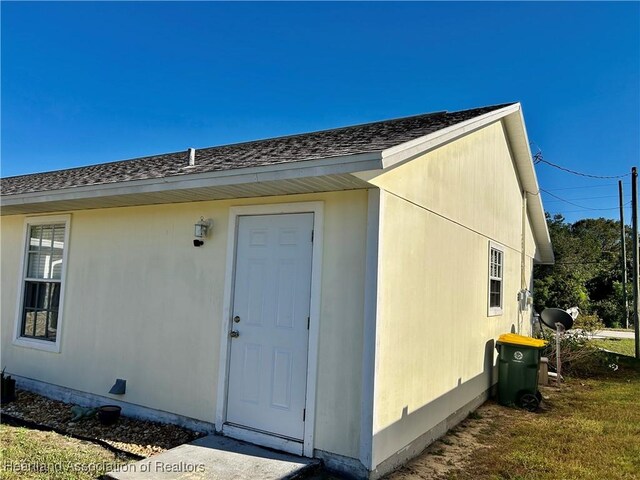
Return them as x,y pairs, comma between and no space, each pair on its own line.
329,174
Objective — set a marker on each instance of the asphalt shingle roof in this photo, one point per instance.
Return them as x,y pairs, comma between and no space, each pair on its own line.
370,137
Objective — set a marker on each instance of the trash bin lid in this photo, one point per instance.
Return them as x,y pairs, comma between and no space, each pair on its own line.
515,339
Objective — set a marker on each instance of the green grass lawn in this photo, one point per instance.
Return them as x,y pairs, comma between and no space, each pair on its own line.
32,454
590,429
624,346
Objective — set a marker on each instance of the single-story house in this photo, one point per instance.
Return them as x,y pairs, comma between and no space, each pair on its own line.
335,294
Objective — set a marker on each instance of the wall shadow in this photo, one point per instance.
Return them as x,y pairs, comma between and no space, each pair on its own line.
429,422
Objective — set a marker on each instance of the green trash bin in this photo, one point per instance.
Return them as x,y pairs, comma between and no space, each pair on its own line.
518,364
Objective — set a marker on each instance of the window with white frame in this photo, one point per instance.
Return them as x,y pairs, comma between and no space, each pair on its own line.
43,280
496,272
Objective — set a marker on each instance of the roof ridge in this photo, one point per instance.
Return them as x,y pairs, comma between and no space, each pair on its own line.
327,130
248,142
113,162
356,125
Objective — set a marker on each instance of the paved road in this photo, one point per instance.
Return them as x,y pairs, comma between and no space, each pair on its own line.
614,334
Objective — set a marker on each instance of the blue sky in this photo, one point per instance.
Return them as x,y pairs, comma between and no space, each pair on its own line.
86,83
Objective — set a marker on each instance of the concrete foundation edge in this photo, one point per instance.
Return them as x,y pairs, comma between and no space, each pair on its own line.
84,399
350,467
417,446
354,469
345,466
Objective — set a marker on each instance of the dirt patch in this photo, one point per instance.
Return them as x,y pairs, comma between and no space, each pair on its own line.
586,429
450,453
130,435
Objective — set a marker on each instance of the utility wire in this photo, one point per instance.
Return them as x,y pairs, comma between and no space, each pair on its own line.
589,209
576,204
537,158
586,198
604,177
602,185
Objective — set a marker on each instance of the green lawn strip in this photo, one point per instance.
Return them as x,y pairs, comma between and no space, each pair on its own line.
624,346
33,454
590,430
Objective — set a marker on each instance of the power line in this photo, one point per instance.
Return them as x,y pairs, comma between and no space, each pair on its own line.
589,209
587,198
576,204
602,185
538,158
604,177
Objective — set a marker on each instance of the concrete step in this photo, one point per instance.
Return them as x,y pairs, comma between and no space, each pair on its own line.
220,458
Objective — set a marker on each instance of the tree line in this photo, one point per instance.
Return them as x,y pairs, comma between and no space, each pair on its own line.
588,269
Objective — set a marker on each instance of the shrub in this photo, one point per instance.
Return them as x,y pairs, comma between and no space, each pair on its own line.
579,356
588,323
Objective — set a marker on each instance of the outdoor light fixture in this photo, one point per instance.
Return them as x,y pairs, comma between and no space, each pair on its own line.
201,230
119,388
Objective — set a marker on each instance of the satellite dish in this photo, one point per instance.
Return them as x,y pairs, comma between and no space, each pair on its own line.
551,316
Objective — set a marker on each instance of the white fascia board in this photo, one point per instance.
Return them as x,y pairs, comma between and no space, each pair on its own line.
513,120
395,156
519,142
283,171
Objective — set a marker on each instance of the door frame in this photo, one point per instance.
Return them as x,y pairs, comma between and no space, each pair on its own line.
317,208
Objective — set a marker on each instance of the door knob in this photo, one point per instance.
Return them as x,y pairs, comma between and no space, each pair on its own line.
234,334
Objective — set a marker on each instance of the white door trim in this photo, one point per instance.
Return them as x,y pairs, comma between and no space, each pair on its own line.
266,440
317,208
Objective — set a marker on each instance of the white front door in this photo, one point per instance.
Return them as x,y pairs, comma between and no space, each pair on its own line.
269,330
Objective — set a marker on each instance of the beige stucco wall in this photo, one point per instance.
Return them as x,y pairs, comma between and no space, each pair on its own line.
143,304
435,340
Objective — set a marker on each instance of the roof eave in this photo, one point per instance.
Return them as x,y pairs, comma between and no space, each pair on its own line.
519,143
317,168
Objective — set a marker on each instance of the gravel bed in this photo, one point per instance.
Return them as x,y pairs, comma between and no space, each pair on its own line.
130,435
